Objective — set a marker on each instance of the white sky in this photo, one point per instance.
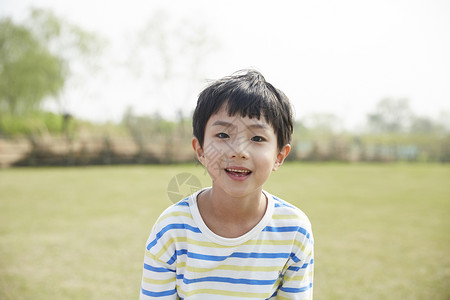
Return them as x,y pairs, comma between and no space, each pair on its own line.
328,56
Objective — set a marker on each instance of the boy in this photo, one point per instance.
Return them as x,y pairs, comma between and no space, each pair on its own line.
234,240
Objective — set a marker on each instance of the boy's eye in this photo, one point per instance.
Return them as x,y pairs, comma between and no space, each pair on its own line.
222,135
257,139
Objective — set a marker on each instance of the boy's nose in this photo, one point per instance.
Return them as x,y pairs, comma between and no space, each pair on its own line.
239,149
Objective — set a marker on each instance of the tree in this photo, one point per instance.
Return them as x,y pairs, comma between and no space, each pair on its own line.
391,116
168,54
28,71
423,125
323,123
37,58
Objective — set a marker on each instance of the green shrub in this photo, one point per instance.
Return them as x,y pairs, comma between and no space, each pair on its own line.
34,123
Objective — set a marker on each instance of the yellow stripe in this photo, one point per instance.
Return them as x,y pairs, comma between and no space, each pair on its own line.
250,242
221,267
159,281
214,245
300,245
299,278
269,242
224,293
189,215
180,239
150,255
229,267
285,217
175,214
239,294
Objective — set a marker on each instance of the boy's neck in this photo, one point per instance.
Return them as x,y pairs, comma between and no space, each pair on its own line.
231,217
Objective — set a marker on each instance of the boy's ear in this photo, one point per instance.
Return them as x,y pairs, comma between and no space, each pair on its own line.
281,156
198,150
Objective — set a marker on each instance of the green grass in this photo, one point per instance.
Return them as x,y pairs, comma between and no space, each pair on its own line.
381,231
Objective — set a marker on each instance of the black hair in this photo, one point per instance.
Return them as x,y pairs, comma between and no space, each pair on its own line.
248,94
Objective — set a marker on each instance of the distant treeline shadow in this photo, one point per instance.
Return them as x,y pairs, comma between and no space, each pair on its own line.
106,151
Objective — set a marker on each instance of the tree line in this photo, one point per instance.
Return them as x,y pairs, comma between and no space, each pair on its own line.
41,57
392,132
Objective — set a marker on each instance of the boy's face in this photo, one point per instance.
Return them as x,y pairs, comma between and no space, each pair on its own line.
239,153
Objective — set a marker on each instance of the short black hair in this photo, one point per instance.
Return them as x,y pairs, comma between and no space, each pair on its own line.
248,94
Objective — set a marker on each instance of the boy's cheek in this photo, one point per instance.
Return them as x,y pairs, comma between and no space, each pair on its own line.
215,159
213,153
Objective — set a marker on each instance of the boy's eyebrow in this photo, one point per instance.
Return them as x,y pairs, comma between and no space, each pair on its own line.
229,124
222,123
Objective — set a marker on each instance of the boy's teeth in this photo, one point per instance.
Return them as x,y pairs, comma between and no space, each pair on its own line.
238,171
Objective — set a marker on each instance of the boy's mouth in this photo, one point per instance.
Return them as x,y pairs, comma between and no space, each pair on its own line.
239,172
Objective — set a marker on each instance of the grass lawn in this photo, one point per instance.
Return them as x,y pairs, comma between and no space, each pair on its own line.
381,231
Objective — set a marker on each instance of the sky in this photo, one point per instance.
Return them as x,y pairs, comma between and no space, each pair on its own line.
329,57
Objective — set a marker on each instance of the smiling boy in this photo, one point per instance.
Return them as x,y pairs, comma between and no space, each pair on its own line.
234,240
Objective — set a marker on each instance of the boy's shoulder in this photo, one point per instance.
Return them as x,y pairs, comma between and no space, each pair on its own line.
285,210
176,213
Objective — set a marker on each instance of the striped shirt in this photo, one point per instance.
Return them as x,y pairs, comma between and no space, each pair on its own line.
184,259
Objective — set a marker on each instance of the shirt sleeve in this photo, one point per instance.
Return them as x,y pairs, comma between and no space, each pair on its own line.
158,281
159,275
297,282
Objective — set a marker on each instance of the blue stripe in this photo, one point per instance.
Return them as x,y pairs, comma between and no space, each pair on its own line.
227,280
304,266
296,290
222,258
200,256
157,269
182,203
288,229
172,259
259,255
282,203
171,227
295,269
158,294
295,258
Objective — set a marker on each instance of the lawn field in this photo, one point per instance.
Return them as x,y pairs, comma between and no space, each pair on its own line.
381,231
